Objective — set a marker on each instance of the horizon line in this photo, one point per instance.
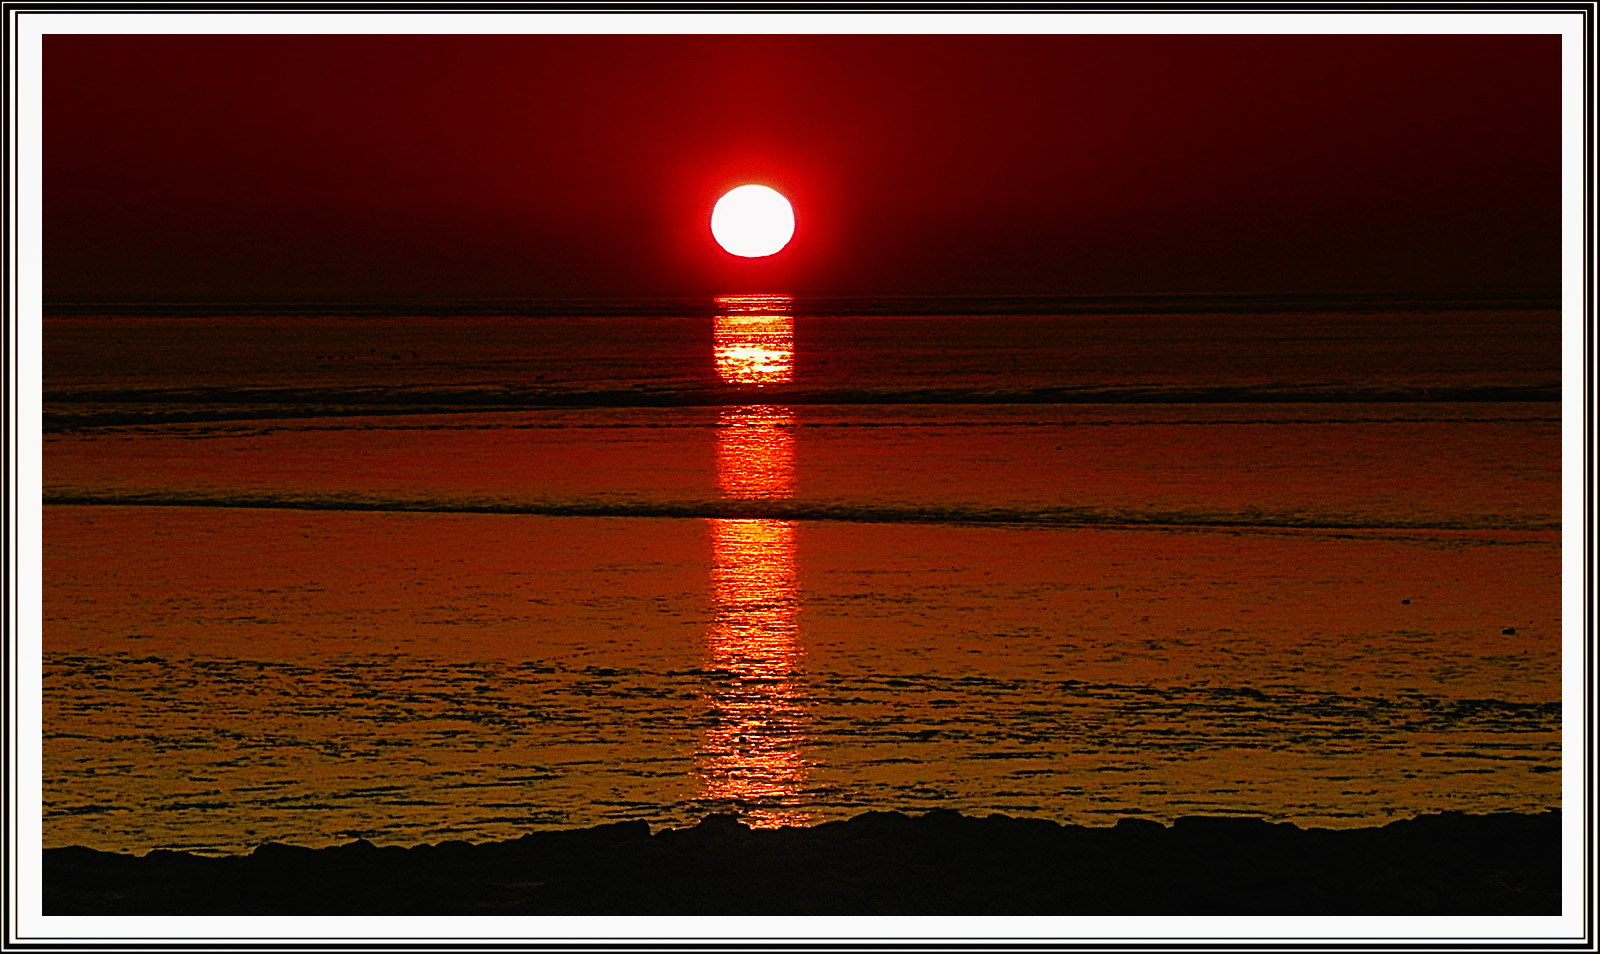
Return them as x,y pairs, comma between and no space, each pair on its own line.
871,302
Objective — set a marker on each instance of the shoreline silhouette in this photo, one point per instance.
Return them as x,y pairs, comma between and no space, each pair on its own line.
877,863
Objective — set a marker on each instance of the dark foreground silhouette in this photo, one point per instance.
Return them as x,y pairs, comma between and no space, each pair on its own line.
877,863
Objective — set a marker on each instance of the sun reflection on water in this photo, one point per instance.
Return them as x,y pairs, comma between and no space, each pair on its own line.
755,453
754,339
752,756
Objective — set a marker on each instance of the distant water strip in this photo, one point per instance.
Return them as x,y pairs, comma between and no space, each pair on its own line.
634,308
799,510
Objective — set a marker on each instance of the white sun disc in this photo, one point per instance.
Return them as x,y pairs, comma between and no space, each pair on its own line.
752,221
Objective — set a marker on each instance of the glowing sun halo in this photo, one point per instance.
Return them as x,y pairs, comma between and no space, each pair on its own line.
752,221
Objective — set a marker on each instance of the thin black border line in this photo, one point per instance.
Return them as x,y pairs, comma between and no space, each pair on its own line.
13,297
735,945
1587,409
821,944
301,7
825,943
9,916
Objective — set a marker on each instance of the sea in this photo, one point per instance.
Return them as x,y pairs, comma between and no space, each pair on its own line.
421,571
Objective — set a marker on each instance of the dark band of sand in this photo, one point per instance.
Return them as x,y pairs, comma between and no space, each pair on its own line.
877,863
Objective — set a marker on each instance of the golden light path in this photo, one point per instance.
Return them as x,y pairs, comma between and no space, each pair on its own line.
754,339
753,755
755,453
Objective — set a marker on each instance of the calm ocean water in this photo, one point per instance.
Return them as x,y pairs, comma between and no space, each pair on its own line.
441,570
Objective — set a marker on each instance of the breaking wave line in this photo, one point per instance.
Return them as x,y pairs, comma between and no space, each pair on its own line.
824,510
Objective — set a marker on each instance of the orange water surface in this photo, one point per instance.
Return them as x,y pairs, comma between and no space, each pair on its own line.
419,626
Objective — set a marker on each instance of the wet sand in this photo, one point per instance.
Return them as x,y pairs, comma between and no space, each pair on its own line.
886,863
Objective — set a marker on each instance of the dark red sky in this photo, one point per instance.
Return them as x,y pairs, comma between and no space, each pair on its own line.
305,166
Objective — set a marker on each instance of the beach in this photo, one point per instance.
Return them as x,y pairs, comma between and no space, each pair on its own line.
879,863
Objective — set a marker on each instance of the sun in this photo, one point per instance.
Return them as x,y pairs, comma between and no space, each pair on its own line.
752,221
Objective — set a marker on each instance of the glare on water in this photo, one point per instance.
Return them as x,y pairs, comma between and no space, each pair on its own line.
755,453
755,339
752,757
